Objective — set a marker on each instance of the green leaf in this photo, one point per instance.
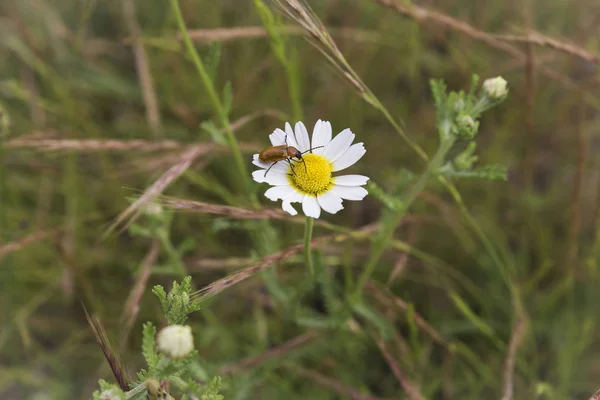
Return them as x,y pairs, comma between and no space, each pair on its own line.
212,60
464,161
215,133
177,304
391,202
207,392
159,291
379,321
272,26
480,324
227,97
148,347
490,172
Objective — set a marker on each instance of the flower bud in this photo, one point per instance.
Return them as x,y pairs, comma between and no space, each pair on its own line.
495,87
175,341
466,121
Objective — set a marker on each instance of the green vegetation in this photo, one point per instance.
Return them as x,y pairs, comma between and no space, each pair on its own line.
127,204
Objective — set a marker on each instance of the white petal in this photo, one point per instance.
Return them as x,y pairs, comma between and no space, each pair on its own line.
290,138
277,138
350,192
280,166
350,180
321,136
272,178
279,192
302,137
310,206
295,197
354,153
330,202
339,145
287,207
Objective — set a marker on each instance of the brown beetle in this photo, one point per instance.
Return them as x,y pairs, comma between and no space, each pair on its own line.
282,152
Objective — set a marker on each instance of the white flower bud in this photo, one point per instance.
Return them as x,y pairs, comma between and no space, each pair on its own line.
176,341
495,87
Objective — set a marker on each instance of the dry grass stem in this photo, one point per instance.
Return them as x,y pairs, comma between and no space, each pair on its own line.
33,238
142,67
267,262
402,260
536,38
330,383
233,212
132,305
251,32
112,357
424,15
397,302
411,390
518,335
87,145
217,263
157,187
273,353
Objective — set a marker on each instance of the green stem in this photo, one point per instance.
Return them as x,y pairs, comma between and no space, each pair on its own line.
294,87
389,225
212,94
415,147
308,230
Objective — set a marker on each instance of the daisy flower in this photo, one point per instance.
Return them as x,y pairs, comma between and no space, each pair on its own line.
310,181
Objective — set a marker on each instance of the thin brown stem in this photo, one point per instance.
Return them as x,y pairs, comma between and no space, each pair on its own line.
409,387
142,66
132,305
273,353
518,335
330,383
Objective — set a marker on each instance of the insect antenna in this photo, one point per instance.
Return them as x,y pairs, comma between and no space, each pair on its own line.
311,149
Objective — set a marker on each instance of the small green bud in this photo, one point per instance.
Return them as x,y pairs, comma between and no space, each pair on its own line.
465,126
465,160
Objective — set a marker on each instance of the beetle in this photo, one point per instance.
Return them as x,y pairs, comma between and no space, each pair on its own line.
283,152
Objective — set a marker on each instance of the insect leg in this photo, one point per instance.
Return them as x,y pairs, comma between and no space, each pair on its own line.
270,168
291,165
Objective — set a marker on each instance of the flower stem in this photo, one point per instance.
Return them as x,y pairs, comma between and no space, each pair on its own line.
212,93
264,236
308,230
389,225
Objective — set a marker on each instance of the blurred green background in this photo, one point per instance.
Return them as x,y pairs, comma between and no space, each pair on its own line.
84,70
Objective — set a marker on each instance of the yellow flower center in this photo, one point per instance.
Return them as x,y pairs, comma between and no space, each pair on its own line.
315,178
